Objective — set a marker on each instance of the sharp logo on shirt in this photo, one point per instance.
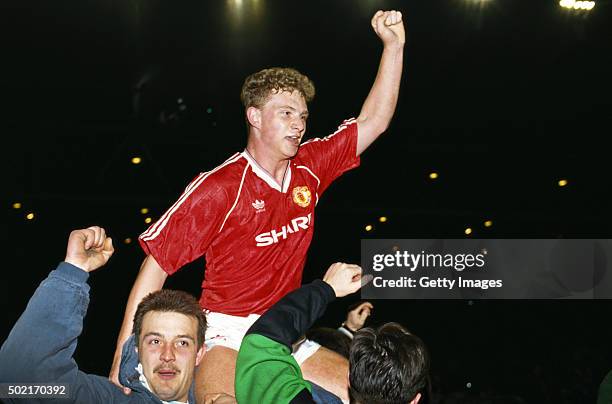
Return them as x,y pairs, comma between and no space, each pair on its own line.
274,236
260,206
302,196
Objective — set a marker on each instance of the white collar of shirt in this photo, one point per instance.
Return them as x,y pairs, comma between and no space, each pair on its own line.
264,175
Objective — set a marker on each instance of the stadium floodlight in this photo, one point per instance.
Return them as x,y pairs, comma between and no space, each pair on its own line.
577,5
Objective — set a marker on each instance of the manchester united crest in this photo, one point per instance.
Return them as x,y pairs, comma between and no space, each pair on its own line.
302,196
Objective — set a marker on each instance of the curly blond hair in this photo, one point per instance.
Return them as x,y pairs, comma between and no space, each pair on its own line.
258,87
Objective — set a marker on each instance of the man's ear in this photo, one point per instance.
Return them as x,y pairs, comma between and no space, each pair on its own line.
254,117
200,354
416,399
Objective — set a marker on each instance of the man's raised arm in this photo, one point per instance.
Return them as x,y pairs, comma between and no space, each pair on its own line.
41,345
265,370
379,106
151,278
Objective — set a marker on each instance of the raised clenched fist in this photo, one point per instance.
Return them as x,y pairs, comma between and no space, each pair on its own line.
389,27
343,278
89,248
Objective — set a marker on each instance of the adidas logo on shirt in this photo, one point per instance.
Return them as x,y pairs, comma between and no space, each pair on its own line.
259,206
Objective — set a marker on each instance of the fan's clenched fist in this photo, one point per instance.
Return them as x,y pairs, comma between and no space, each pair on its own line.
89,248
343,278
389,27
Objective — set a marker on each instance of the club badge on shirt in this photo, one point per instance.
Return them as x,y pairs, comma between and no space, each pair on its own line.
302,196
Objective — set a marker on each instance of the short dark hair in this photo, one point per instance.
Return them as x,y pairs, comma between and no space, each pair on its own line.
387,365
167,300
258,87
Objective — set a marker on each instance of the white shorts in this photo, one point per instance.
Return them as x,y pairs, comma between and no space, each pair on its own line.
228,331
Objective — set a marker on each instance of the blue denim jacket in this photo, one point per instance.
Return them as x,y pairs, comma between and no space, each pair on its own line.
40,347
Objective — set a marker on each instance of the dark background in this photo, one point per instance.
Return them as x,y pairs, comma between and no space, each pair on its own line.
501,98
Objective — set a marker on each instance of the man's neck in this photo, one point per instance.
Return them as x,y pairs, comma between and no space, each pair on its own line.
275,167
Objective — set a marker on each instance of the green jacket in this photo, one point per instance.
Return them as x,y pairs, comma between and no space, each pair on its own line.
265,370
605,390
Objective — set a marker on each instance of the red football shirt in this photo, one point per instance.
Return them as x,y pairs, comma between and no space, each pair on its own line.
254,233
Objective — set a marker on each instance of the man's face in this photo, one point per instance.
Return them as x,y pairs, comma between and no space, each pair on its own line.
169,353
283,123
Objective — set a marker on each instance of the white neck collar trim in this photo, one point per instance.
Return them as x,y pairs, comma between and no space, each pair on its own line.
264,175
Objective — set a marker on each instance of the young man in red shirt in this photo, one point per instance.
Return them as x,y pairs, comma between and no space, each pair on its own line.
253,216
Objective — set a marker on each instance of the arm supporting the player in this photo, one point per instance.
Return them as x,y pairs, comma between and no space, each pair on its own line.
151,278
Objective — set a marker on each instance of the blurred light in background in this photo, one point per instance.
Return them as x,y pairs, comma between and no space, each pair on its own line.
243,13
577,5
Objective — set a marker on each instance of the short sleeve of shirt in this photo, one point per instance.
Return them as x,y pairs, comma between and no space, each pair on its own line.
185,231
331,156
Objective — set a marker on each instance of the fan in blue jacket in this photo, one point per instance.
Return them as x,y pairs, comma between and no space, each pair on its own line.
158,362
